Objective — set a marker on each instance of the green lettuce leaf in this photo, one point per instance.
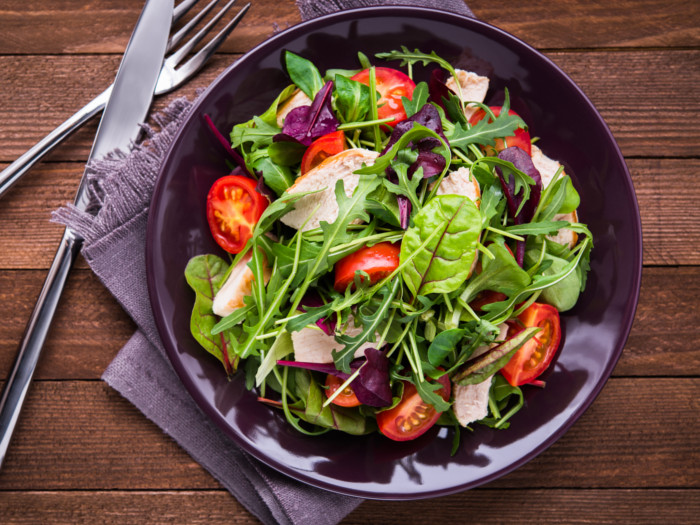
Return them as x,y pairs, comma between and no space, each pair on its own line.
443,265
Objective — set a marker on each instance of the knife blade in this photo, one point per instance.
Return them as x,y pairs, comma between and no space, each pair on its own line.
120,125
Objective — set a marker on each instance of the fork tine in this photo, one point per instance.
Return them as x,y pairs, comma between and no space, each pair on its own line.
198,60
177,37
181,8
181,53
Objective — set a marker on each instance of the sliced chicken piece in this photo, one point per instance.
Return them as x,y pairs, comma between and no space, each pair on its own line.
461,182
297,99
324,176
548,168
314,346
237,286
472,88
472,401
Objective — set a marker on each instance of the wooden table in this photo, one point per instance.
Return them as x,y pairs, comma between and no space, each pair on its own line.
83,454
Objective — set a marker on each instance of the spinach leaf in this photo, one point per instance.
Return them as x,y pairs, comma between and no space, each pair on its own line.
352,99
444,343
278,178
303,73
286,153
258,136
564,294
443,265
206,274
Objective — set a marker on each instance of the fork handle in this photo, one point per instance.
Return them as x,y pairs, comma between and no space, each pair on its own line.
14,171
20,377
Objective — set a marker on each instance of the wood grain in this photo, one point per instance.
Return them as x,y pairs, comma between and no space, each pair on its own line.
650,102
76,27
27,27
204,507
105,443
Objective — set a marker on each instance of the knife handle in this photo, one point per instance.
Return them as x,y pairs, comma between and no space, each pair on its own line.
14,171
20,377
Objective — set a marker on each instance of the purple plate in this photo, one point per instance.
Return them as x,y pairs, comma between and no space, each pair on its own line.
595,332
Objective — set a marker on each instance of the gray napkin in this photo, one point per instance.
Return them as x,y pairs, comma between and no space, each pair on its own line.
114,248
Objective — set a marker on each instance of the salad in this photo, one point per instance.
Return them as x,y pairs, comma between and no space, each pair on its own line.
399,251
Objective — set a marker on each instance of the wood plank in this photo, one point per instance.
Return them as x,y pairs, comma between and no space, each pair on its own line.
106,26
665,217
89,328
665,337
106,444
205,507
661,125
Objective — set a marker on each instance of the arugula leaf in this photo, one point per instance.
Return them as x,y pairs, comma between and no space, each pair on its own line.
206,274
444,264
371,321
420,98
428,393
484,131
303,73
282,347
408,57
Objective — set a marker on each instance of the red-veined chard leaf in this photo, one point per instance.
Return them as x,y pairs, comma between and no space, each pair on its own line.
205,274
444,264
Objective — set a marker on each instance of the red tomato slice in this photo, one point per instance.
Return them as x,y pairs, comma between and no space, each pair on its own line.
412,417
378,261
322,148
391,85
521,138
233,209
534,357
346,398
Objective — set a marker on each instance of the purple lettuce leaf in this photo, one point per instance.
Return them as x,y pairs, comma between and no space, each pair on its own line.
437,87
226,145
432,164
522,161
307,123
371,386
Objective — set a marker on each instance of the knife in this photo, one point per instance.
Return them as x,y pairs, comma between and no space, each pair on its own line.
127,107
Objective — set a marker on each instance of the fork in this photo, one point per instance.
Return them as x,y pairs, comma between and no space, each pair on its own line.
172,75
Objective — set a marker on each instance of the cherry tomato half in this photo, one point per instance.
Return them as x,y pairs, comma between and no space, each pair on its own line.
534,357
521,138
346,398
391,85
378,261
233,209
412,417
322,148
